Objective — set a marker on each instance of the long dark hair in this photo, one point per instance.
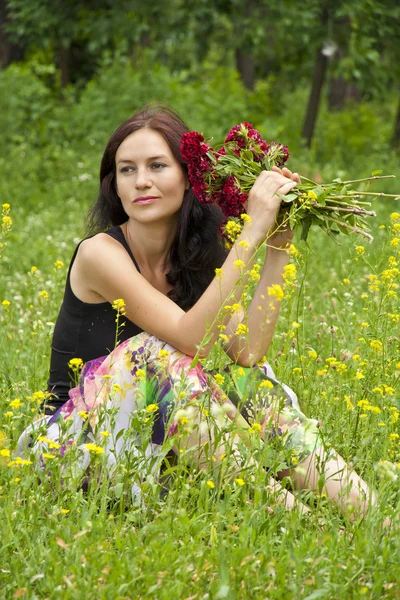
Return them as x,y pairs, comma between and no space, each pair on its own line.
197,249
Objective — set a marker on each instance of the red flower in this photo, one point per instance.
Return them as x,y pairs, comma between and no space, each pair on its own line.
193,146
232,198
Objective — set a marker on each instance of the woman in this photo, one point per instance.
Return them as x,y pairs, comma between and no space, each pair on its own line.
158,262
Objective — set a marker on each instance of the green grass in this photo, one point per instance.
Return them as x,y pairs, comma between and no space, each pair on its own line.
197,541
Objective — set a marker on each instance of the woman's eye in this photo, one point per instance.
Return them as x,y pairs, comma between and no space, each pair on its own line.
157,166
126,169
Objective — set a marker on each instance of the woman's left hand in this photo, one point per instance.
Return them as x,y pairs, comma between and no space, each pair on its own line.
283,237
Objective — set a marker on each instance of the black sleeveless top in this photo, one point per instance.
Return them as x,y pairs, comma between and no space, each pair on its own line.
85,331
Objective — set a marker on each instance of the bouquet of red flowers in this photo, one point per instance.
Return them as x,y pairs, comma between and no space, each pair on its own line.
226,175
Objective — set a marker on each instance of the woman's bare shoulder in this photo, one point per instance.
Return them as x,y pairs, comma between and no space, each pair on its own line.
102,246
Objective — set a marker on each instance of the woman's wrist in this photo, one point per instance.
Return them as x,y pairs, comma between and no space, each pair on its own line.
252,235
283,254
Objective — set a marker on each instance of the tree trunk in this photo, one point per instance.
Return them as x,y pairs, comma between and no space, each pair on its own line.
63,63
340,91
245,66
396,132
321,64
9,52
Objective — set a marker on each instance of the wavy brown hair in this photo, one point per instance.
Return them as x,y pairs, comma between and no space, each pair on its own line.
197,249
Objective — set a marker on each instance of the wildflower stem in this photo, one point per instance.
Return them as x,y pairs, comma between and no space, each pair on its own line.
376,194
369,179
354,211
353,229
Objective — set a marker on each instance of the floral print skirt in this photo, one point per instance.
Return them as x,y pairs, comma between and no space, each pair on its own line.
140,397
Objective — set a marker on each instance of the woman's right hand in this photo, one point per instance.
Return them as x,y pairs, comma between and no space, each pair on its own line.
263,204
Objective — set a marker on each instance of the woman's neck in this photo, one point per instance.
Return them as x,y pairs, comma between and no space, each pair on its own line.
150,243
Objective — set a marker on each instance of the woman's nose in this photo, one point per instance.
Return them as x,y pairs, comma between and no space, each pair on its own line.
143,179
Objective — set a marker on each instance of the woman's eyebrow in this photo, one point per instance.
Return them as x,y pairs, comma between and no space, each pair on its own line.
127,160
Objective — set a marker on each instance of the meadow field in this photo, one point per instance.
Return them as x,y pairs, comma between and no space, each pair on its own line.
336,344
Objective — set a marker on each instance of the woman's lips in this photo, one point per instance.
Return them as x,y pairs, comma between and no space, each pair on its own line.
148,200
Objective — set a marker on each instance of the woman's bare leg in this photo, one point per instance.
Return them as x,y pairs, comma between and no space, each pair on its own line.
201,441
327,472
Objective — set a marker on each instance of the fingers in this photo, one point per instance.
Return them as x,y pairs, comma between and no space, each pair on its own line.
287,173
271,182
285,189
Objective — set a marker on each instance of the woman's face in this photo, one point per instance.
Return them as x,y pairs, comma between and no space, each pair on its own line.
150,181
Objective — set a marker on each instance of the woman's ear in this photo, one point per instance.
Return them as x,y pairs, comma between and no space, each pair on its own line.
187,186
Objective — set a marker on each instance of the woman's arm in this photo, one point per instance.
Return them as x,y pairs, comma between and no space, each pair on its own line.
248,343
110,273
250,346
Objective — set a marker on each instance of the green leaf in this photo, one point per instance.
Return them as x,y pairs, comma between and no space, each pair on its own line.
305,228
289,198
375,173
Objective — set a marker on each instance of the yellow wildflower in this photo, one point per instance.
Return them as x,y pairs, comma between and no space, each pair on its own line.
150,408
19,461
376,345
5,452
276,290
360,375
140,374
395,242
312,354
346,281
94,449
245,218
349,403
266,383
254,274
236,307
44,295
104,434
360,250
219,273
311,194
6,304
83,414
242,329
394,217
219,378
6,222
119,305
48,455
239,264
289,273
240,481
244,244
58,264
211,484
388,390
293,250
75,364
16,403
